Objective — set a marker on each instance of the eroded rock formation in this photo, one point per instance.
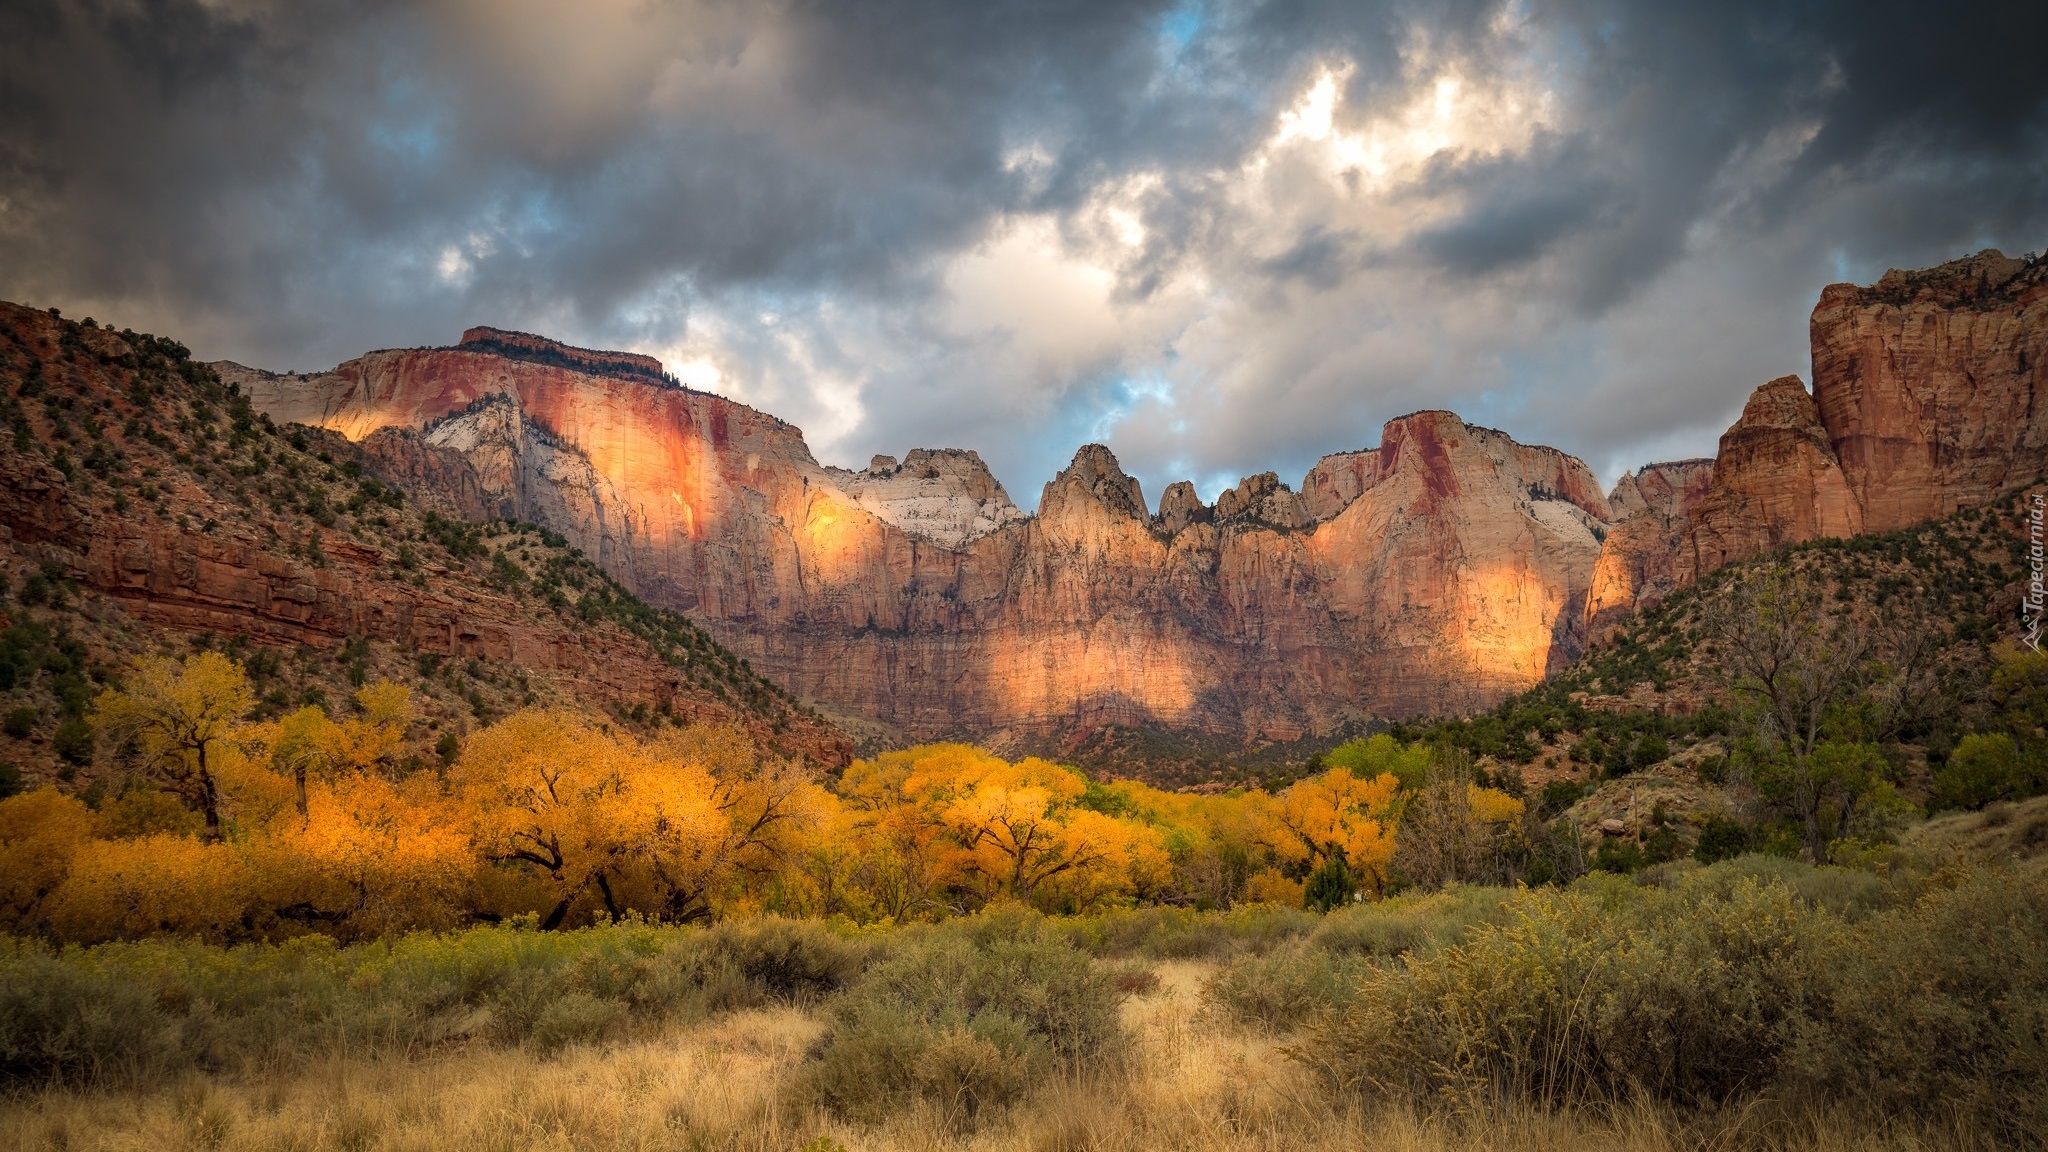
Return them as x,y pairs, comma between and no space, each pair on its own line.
1637,564
1441,570
1929,396
1933,385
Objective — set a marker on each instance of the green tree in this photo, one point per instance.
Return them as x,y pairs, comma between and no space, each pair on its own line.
1794,660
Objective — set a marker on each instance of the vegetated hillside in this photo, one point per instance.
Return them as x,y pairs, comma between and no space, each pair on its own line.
1188,761
1934,705
147,508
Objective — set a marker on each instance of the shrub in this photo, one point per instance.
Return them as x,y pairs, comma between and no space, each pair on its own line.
1940,1008
1411,921
1282,990
134,1011
74,740
1715,984
1596,993
1183,934
1721,838
1983,768
965,1017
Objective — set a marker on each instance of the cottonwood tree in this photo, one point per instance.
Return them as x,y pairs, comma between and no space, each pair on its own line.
181,716
1453,831
1340,821
651,828
1795,657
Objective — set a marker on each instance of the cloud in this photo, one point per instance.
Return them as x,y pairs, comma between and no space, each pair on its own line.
1224,236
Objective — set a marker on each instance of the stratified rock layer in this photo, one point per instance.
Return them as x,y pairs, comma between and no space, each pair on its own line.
1637,564
1440,571
1929,396
1933,385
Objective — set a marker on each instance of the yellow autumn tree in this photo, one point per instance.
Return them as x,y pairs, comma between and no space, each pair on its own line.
1022,830
649,828
40,832
910,855
180,715
1337,815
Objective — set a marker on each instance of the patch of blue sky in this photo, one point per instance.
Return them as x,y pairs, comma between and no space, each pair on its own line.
1125,395
1179,27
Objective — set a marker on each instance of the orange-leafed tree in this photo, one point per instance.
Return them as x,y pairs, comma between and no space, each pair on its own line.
912,858
373,855
40,832
1337,816
1022,829
661,829
180,716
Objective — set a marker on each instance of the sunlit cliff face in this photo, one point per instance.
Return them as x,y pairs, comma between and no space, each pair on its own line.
1436,573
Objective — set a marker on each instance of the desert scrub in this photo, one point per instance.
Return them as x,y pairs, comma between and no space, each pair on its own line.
966,1017
1158,933
1414,920
1288,985
1709,988
134,1012
1940,1008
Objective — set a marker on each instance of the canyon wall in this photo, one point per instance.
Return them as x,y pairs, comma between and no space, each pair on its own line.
1929,396
1638,561
1440,571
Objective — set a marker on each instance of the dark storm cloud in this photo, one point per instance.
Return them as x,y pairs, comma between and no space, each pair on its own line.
805,189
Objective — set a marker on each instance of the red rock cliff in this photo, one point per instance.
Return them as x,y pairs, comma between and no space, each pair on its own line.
1441,571
1929,396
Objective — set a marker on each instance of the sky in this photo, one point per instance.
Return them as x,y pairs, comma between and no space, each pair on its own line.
1220,237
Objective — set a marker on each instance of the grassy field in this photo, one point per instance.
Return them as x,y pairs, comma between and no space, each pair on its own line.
1196,1081
1755,1004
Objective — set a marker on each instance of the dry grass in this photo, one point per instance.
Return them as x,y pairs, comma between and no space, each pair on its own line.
1198,1083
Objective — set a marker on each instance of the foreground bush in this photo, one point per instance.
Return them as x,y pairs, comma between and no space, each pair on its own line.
133,1012
1184,934
1720,984
966,1017
1318,970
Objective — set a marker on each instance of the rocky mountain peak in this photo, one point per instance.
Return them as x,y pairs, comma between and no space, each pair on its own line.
946,495
1179,507
1669,488
1096,475
1264,499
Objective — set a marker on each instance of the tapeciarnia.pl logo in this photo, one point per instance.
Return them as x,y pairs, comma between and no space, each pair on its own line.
2032,604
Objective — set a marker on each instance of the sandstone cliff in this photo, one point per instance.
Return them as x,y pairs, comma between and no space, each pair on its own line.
1438,571
1929,396
948,496
1441,570
1638,559
1933,385
231,530
1776,481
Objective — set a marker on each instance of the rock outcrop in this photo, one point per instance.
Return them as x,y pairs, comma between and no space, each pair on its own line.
945,495
239,551
1929,396
1933,385
1441,570
1637,564
1776,481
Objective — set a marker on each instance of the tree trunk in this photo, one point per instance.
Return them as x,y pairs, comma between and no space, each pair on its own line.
209,798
